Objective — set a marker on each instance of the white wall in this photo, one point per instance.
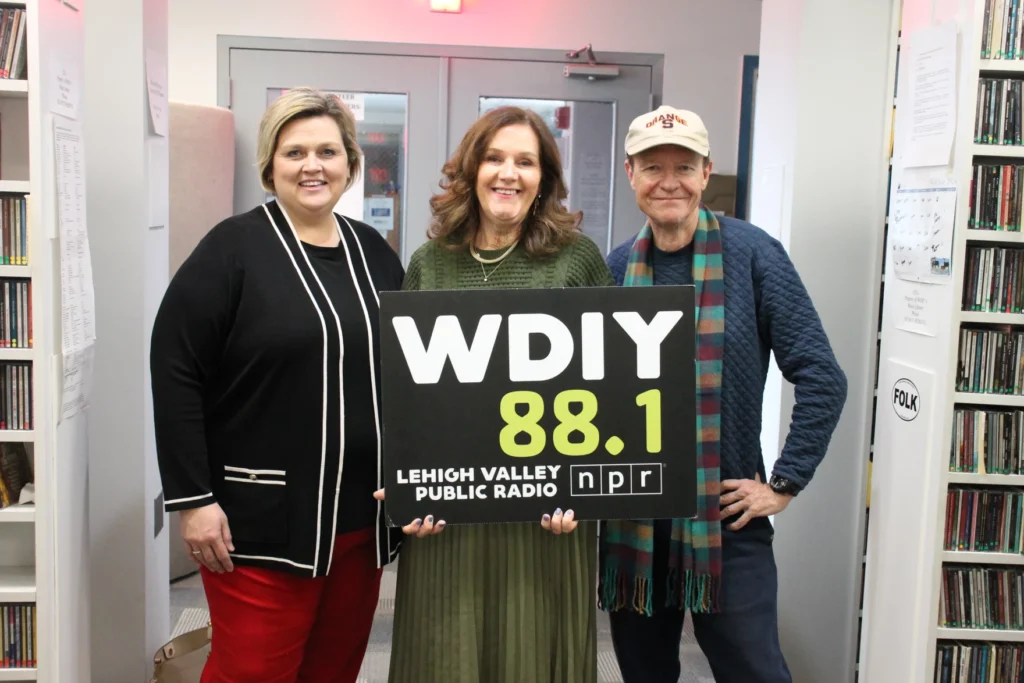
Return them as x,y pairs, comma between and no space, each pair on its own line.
130,563
62,451
818,183
703,42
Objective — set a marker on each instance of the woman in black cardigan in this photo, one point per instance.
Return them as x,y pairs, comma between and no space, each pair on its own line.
266,395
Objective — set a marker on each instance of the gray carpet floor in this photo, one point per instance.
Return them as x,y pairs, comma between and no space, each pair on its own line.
188,611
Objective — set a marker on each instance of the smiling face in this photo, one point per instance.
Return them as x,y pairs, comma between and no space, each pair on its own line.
310,170
668,181
508,178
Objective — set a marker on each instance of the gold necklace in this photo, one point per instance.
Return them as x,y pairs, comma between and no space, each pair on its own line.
497,259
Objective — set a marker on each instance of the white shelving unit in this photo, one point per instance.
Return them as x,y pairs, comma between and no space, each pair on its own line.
999,151
18,513
32,570
985,634
17,584
985,479
1002,66
10,88
906,553
996,236
18,674
992,318
965,238
962,557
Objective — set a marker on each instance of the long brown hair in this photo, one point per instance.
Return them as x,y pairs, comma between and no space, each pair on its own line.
548,226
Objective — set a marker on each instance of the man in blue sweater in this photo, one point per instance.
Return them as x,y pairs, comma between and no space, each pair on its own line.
751,303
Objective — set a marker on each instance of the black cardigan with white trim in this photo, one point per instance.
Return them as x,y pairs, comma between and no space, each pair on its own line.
246,366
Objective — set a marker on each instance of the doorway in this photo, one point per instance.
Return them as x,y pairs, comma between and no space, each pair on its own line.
413,103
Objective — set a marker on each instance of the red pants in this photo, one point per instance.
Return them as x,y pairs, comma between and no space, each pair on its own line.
273,627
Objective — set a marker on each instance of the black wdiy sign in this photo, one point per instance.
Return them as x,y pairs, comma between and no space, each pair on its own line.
503,405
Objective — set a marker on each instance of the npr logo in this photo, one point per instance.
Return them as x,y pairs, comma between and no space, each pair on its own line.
906,400
616,480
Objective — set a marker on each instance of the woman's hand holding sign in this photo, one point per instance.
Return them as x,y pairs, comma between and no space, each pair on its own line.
558,523
418,527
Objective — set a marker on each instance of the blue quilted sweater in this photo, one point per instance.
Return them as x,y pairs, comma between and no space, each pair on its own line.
767,309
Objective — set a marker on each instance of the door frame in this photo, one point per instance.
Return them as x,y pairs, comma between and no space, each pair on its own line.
226,43
744,160
444,54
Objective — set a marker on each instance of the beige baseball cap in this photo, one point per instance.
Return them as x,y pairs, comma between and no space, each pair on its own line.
668,126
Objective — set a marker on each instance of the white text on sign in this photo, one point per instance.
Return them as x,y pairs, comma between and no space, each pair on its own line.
470,360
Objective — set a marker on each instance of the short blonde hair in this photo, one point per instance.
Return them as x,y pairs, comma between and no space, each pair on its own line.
302,103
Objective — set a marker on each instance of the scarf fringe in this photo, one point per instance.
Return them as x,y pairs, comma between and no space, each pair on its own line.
701,594
614,590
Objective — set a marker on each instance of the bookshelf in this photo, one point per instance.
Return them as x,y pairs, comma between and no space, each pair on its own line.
931,491
53,643
22,546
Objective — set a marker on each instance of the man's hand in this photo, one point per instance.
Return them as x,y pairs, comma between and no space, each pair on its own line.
751,497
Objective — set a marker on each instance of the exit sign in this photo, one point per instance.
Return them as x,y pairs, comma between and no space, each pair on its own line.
445,5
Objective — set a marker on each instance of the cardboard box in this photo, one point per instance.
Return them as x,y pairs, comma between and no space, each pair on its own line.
720,194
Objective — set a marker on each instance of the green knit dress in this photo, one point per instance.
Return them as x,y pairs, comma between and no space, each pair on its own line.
499,603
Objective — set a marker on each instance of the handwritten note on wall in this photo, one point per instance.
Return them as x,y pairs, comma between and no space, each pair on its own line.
64,92
921,233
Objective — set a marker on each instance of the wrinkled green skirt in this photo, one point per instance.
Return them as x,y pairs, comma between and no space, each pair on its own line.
497,603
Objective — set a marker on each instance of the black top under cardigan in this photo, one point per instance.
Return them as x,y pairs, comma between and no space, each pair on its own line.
264,397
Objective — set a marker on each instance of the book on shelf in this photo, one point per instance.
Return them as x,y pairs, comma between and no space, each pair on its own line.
15,313
1001,31
983,520
987,441
980,597
991,361
18,636
13,43
994,280
14,230
997,197
997,118
16,395
978,662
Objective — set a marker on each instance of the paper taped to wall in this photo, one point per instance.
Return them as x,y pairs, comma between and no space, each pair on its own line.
921,233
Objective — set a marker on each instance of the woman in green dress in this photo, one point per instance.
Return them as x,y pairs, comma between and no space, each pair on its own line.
500,603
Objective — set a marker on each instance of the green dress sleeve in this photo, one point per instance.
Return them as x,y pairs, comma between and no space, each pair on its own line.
412,273
587,267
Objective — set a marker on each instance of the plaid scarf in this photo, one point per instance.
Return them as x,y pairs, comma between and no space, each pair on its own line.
695,550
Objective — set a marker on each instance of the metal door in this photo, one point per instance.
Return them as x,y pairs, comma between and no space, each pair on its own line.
396,100
416,102
589,119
